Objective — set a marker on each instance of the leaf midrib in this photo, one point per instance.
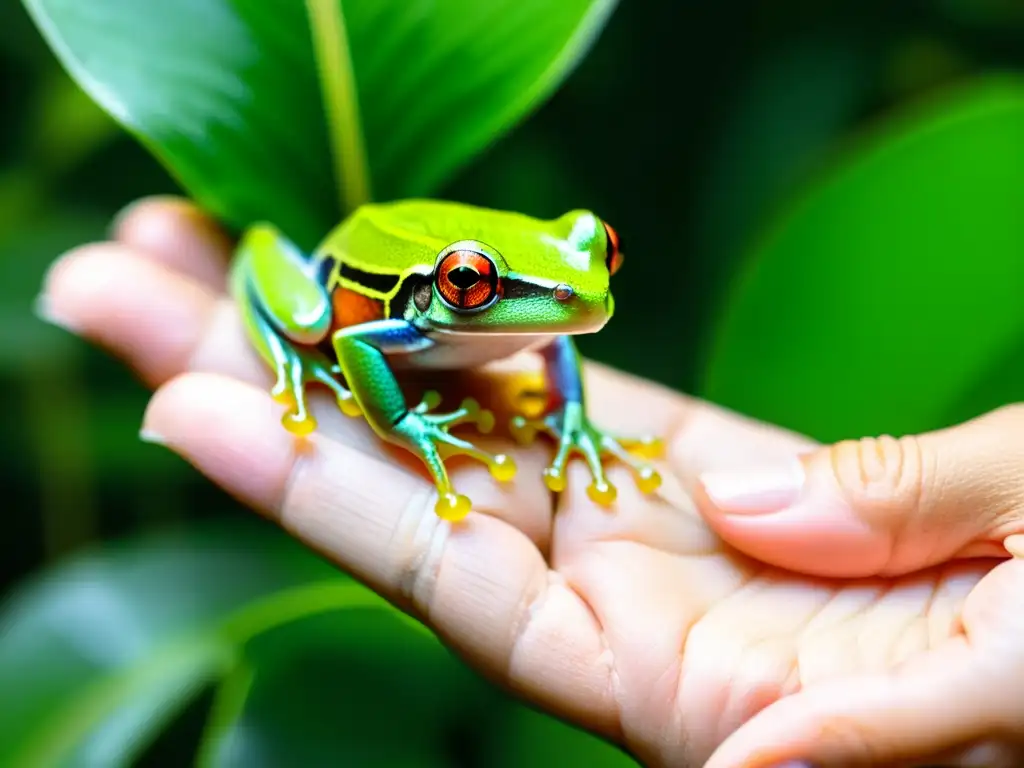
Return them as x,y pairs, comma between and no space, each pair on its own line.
340,97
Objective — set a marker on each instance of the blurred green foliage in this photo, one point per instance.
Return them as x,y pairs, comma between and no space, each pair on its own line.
819,206
234,107
909,250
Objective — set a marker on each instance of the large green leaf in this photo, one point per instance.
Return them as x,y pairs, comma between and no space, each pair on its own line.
527,737
337,690
104,651
788,110
879,301
226,92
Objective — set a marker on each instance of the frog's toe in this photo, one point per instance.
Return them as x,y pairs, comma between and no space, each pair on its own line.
468,412
297,419
483,418
283,396
426,440
645,475
501,466
554,479
430,400
602,492
289,391
299,424
326,375
525,430
349,406
647,447
452,506
554,473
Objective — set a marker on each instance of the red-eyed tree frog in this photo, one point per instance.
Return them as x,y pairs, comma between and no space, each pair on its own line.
442,285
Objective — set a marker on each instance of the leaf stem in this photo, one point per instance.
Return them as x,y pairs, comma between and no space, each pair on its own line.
228,707
304,601
341,102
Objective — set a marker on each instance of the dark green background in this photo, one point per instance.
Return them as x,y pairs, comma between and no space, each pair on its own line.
691,127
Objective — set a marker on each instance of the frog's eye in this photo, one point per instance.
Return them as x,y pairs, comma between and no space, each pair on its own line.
466,279
613,260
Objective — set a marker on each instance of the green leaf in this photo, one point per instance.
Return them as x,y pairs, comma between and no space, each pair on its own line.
26,252
53,148
880,299
762,150
1001,384
227,95
107,649
334,690
527,737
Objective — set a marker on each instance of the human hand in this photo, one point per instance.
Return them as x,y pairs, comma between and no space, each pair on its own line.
637,623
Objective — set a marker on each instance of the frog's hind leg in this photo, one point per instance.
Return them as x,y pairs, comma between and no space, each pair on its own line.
295,368
283,312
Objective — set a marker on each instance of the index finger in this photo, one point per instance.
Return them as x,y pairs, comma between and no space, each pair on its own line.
482,584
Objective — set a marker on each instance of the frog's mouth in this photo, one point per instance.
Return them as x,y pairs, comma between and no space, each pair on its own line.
531,307
572,325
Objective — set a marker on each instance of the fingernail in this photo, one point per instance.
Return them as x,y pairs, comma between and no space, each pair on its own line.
149,436
759,490
43,309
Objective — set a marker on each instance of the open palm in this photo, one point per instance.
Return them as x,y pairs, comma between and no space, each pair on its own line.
637,622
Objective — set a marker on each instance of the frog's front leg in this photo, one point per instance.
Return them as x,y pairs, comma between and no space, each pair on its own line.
361,351
569,424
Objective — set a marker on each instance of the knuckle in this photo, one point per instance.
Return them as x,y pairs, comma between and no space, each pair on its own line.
418,547
880,470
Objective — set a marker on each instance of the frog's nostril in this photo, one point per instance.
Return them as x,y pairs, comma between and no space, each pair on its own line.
562,292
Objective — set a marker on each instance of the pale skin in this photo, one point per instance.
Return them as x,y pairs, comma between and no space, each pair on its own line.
636,623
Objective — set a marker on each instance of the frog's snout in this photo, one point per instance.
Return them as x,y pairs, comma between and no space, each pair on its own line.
590,309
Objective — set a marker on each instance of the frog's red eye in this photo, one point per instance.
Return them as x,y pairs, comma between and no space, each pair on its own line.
613,259
467,279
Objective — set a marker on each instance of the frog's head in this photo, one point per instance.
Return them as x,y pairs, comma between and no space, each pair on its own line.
527,277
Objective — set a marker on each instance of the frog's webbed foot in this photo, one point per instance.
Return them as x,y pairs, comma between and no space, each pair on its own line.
295,370
574,433
427,435
469,412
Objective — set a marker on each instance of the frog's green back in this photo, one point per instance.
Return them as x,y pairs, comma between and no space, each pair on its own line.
406,236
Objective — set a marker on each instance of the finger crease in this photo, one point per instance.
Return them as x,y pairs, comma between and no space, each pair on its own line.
607,657
298,463
421,536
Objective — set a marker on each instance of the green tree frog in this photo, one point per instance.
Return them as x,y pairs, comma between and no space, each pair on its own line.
433,284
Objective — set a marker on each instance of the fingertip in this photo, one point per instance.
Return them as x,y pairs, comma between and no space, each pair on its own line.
75,287
177,233
781,515
141,311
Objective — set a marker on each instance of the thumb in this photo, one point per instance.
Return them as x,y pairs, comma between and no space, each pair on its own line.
879,506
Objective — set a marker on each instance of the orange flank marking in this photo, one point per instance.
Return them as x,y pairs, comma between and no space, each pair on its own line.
351,308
